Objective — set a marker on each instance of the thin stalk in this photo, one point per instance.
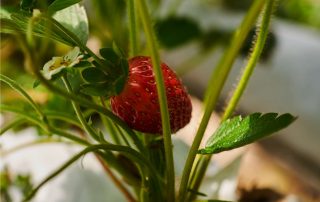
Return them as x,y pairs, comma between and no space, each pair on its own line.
108,124
27,116
78,112
67,135
22,92
133,28
78,99
114,130
82,120
87,103
108,147
262,36
143,195
258,48
47,128
117,182
74,38
13,124
120,132
216,83
151,40
198,174
223,68
29,144
111,129
109,157
62,117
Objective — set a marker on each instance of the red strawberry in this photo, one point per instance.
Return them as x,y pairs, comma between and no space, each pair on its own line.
138,104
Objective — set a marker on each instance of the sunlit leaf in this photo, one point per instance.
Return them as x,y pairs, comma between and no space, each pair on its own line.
69,26
4,13
75,19
238,131
61,4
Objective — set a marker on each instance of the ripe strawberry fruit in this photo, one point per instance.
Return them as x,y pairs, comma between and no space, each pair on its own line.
138,103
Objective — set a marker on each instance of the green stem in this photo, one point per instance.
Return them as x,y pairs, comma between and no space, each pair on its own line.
110,158
151,40
108,125
223,68
258,48
47,128
120,132
31,58
29,144
27,116
216,83
118,183
89,104
133,29
62,117
108,147
74,39
13,124
22,92
114,130
262,36
68,135
78,112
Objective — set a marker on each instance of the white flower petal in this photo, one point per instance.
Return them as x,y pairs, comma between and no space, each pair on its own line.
76,61
72,55
56,64
48,74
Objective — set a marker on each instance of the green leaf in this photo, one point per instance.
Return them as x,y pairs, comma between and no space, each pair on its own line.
61,4
107,66
43,27
175,31
15,86
119,85
124,67
4,13
118,50
75,19
27,5
94,75
104,89
237,132
83,64
69,26
110,55
36,83
120,82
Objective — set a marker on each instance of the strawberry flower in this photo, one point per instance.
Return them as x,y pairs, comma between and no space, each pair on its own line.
57,64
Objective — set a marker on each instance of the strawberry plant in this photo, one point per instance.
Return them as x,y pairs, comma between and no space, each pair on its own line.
127,87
